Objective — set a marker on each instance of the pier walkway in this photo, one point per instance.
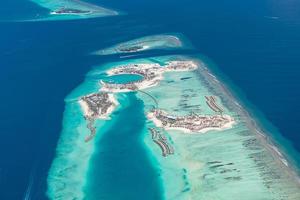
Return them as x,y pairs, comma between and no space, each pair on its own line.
211,102
161,141
153,98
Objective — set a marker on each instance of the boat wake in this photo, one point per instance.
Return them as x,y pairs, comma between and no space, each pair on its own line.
27,195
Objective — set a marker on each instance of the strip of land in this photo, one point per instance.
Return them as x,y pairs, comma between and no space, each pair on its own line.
69,11
72,9
192,123
162,41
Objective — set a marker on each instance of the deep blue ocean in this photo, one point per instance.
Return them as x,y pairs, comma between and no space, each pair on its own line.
255,44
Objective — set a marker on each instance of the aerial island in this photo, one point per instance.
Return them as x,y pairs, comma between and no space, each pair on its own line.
72,9
152,74
100,105
201,142
192,123
153,42
97,106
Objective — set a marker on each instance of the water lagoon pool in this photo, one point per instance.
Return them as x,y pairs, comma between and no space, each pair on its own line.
123,78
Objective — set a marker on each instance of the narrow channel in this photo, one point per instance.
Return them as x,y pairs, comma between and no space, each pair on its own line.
121,167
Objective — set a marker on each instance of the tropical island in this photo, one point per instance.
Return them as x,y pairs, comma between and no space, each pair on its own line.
191,123
71,9
161,41
132,49
152,74
97,106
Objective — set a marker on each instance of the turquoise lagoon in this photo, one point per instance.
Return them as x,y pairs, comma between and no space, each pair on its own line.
123,78
75,170
152,42
123,161
214,163
90,10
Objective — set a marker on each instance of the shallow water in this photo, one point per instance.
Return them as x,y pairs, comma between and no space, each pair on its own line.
204,165
216,161
82,6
